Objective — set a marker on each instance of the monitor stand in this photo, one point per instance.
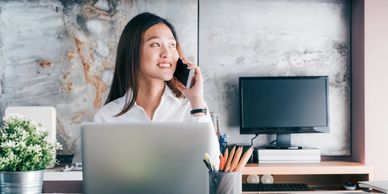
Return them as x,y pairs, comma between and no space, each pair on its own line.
283,141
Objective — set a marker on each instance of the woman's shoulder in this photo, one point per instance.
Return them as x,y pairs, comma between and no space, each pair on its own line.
109,110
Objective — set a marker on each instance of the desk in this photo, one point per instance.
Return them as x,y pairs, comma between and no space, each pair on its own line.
325,175
56,174
63,182
313,192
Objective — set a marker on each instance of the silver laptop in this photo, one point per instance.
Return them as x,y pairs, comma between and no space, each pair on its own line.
145,158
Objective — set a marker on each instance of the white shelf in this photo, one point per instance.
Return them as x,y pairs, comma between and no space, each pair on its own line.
323,168
57,175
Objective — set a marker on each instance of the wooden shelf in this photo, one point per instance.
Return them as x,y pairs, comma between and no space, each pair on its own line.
322,177
301,192
323,168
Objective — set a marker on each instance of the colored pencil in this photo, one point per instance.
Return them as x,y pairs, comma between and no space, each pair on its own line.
244,159
222,162
236,159
230,157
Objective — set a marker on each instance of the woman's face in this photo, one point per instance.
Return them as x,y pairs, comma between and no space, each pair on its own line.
158,53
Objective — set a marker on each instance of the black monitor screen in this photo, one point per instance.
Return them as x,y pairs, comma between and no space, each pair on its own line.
283,104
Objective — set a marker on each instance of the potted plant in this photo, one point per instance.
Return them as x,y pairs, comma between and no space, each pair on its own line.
24,154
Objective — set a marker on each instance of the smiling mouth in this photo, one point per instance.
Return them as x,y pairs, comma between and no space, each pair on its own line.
164,65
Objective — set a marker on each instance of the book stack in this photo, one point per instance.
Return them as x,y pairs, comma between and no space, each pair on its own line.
305,155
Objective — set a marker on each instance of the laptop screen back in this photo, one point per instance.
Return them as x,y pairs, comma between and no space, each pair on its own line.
145,158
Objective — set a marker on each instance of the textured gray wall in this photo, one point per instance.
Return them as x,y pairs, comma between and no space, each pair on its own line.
277,38
62,53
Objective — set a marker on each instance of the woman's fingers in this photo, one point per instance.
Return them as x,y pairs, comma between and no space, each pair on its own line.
194,93
198,74
189,64
185,60
192,65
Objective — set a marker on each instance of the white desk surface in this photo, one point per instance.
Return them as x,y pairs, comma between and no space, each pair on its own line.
56,174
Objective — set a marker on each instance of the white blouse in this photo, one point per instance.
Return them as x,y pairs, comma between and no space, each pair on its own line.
170,109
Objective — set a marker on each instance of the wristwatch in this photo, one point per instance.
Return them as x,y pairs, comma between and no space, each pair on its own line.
199,110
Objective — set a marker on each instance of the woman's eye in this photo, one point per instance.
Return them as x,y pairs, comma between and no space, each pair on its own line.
155,44
173,45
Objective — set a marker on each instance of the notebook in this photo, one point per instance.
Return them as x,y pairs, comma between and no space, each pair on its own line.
145,158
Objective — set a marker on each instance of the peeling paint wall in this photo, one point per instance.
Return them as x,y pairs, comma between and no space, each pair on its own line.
61,53
277,38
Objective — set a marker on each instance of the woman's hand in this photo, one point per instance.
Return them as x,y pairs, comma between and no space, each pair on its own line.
195,93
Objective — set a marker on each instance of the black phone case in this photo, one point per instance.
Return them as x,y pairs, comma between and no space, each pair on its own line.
183,74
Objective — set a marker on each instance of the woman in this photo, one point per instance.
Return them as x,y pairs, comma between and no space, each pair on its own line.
143,88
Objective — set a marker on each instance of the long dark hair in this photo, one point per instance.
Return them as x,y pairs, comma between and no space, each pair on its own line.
128,59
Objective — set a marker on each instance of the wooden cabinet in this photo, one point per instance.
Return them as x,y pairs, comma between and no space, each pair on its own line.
327,175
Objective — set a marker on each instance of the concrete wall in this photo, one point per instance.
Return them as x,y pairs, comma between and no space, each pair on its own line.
376,90
277,38
61,53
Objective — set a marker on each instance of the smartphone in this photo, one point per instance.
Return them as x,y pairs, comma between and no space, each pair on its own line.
183,74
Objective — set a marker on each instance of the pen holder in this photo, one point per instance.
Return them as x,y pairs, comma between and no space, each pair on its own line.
225,183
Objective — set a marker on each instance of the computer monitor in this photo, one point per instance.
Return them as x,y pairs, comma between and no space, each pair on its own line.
283,105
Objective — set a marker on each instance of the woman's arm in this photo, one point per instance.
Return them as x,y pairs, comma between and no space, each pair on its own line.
195,93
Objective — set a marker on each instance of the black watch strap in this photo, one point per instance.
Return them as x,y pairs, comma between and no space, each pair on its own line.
199,110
